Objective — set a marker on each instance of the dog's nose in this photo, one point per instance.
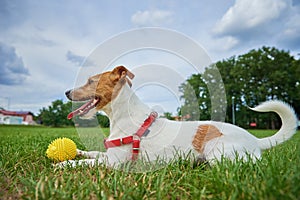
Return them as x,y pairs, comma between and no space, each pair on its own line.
68,93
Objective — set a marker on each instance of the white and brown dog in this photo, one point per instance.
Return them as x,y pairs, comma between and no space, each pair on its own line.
135,132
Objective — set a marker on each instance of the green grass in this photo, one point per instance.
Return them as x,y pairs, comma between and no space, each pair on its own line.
26,173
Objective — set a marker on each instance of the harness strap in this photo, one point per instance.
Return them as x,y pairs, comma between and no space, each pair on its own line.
134,139
147,123
118,142
135,149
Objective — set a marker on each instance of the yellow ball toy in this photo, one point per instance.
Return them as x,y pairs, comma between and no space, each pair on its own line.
61,149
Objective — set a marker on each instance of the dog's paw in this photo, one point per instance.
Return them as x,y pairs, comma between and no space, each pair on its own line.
67,163
80,152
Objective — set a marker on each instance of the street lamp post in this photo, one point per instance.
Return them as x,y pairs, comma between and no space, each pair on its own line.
233,110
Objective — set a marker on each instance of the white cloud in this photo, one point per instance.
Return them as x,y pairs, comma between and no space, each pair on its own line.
51,38
245,16
12,68
76,59
152,18
290,36
225,43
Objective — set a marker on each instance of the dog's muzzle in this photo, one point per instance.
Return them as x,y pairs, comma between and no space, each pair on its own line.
68,94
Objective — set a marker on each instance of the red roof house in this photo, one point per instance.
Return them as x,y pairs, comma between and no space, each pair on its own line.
16,117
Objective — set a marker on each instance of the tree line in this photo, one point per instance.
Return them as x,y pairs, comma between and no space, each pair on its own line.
249,79
246,80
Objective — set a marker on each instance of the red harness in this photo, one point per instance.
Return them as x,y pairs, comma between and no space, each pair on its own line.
134,139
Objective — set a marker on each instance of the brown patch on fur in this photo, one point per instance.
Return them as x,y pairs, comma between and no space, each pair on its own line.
204,134
105,86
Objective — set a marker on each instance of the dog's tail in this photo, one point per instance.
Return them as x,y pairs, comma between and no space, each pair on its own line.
288,119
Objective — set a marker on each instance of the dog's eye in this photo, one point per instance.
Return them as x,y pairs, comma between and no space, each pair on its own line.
90,81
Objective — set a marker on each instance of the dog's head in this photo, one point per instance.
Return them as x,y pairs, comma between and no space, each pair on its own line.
99,91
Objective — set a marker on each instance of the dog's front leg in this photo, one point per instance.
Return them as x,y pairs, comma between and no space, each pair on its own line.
90,154
74,163
100,158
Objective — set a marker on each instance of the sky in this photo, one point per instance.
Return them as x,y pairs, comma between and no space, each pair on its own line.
44,45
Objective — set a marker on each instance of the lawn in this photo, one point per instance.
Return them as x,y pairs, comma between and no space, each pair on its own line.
26,173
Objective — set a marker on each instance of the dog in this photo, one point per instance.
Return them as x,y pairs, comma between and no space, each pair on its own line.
137,133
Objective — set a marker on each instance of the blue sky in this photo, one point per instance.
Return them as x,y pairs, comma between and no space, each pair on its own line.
42,43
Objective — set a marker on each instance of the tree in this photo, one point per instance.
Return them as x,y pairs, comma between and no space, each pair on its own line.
251,78
204,96
56,114
168,115
194,94
264,74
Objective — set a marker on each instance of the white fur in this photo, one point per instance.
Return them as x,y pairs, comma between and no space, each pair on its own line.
288,119
126,113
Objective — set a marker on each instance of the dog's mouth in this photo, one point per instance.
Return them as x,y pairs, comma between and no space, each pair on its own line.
85,108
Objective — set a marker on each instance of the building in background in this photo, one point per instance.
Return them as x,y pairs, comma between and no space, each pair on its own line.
16,117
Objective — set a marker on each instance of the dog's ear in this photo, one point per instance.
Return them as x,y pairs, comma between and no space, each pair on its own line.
120,73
